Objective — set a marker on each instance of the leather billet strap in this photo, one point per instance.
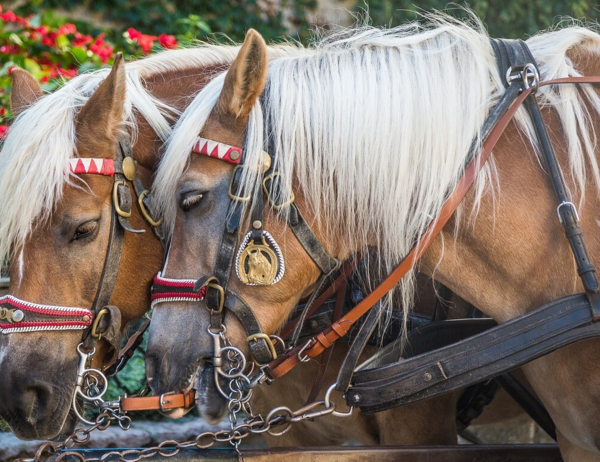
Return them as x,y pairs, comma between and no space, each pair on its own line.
493,129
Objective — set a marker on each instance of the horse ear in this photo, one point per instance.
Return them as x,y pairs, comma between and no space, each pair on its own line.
245,79
25,90
99,121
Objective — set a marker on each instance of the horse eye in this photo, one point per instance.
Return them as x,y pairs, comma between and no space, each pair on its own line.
85,230
189,200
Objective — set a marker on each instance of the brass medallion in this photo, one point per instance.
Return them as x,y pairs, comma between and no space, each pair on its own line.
259,264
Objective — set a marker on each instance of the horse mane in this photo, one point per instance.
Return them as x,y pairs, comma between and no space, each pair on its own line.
375,125
40,142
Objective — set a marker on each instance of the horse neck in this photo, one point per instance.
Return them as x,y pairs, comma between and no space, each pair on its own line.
143,253
514,256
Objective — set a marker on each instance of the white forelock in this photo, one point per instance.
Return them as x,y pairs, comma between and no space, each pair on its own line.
42,139
375,125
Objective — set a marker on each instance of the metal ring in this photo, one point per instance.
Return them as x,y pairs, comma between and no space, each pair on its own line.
99,316
242,369
272,415
329,403
145,211
104,388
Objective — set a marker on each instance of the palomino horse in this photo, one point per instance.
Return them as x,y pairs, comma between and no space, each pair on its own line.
56,228
64,240
371,130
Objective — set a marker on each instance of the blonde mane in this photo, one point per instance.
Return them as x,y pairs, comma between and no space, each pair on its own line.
375,125
34,157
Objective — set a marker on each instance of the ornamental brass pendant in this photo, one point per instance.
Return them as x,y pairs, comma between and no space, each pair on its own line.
259,264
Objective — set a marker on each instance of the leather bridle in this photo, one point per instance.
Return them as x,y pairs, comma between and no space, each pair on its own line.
101,321
214,289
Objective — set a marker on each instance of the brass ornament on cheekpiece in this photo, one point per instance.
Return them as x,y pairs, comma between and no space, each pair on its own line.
259,264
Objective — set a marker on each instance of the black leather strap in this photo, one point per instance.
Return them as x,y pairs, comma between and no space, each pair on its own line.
379,385
310,242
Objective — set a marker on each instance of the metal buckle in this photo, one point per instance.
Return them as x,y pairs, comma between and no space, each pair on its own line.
529,75
221,291
268,193
161,402
572,207
306,358
231,195
100,315
115,197
145,212
266,338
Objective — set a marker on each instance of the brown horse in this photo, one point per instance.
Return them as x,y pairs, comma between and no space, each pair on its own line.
370,130
35,398
56,228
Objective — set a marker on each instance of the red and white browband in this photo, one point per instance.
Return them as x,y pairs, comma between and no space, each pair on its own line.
92,166
174,290
21,316
220,151
99,166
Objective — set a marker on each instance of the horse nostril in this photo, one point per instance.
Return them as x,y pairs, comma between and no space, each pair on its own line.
36,402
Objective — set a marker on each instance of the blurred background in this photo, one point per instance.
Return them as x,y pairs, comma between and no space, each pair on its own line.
57,39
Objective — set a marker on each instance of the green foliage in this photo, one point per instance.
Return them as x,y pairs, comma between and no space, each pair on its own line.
503,18
231,18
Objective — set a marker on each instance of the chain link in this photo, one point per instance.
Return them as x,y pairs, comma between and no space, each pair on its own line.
237,391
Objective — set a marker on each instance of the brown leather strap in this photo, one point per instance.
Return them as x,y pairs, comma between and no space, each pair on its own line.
325,339
165,402
347,269
326,356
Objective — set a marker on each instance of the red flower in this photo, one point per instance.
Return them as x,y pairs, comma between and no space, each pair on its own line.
66,29
133,34
81,40
2,111
167,41
146,42
101,49
9,16
3,131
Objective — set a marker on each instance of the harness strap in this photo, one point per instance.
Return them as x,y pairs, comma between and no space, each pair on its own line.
168,401
493,129
478,358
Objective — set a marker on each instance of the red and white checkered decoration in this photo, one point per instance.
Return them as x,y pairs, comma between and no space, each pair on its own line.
220,151
92,166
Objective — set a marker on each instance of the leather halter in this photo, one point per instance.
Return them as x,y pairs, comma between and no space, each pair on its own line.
101,320
214,289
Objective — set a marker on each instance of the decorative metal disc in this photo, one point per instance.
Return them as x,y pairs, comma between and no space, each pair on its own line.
259,264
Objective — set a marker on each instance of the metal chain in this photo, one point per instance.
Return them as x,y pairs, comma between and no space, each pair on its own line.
238,392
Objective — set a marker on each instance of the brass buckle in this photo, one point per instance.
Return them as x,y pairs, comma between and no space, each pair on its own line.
221,291
145,212
268,193
232,179
266,338
115,196
100,315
